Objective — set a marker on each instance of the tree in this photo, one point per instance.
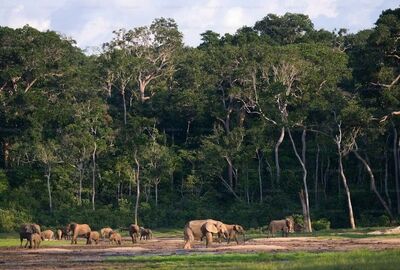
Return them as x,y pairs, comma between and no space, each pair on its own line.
47,154
287,29
151,50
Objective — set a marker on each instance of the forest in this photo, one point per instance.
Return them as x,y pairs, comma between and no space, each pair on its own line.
277,119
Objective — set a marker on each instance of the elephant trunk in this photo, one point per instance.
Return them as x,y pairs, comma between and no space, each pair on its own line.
244,238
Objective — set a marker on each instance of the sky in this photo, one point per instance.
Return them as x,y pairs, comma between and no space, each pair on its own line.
91,22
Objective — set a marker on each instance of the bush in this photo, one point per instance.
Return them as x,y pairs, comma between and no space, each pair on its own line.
384,221
11,219
321,224
298,219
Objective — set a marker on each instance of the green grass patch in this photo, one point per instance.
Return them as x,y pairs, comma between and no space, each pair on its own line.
359,259
15,242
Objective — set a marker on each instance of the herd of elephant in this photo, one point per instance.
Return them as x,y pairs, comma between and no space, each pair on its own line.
33,234
207,229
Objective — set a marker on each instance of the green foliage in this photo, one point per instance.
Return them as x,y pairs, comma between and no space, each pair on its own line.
195,129
321,224
11,219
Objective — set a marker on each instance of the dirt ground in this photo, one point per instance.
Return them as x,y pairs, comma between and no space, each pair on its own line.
93,257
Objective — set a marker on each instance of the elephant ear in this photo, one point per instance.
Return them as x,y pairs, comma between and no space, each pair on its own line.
210,227
29,229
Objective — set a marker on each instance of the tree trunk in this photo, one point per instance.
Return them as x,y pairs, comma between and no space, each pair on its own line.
142,88
328,164
230,171
373,184
316,177
94,176
346,188
124,104
302,160
259,157
386,179
278,143
48,175
269,169
156,192
6,153
80,168
137,188
396,168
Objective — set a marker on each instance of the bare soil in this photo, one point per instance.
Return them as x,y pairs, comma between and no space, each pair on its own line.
94,256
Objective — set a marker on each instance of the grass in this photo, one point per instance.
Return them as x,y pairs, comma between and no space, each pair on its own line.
358,259
15,242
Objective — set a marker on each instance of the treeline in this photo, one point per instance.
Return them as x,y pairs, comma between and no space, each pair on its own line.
277,119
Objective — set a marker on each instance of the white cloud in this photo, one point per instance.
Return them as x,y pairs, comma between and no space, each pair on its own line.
318,8
234,19
94,32
19,17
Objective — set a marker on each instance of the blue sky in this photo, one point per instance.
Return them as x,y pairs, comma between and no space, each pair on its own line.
91,22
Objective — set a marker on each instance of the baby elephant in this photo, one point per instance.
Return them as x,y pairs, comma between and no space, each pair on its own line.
146,234
105,232
47,235
59,234
93,236
233,231
36,239
115,238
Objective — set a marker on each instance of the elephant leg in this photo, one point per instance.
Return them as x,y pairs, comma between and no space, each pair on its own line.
187,244
209,239
22,240
189,237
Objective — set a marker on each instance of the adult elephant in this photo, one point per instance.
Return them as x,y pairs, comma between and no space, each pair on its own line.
78,230
134,231
26,231
285,225
197,229
233,231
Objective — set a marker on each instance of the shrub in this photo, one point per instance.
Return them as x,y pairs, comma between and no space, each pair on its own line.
384,221
10,219
298,219
321,224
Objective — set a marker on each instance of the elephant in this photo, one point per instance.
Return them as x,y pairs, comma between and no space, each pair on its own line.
105,232
115,237
59,234
78,230
134,231
67,234
47,235
146,234
92,236
197,229
284,225
26,231
233,231
36,239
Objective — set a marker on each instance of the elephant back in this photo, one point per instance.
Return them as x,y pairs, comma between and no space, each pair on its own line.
133,228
